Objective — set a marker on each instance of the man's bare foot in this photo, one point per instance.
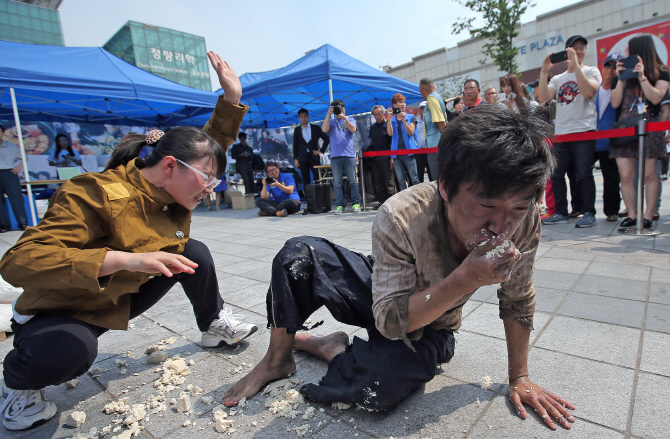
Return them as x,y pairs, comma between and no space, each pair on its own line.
323,347
264,372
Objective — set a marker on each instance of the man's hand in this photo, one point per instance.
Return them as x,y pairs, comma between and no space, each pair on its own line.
341,116
297,165
229,81
316,152
275,184
546,64
389,113
573,61
391,162
490,263
401,115
16,170
329,112
552,408
150,263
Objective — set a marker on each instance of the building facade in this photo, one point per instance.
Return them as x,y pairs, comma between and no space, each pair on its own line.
170,54
605,23
31,21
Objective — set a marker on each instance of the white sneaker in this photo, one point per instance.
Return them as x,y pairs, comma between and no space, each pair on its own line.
24,409
227,329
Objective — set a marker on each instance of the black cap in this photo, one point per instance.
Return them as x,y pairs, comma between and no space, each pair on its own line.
573,39
534,83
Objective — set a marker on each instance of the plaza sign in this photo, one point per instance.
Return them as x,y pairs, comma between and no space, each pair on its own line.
539,45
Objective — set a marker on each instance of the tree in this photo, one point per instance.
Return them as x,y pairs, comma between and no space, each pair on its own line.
502,17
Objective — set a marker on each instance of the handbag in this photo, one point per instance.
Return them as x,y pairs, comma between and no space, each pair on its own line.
626,123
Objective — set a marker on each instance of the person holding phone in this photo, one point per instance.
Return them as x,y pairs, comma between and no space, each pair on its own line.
513,91
279,196
401,128
643,92
575,92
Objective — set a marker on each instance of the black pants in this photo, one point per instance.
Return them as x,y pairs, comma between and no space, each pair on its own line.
579,156
10,186
422,167
384,178
51,349
305,169
272,207
611,182
378,373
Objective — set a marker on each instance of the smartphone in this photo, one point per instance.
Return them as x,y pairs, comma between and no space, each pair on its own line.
629,63
501,97
559,57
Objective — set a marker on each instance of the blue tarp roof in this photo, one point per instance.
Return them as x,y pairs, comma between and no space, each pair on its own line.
88,84
274,97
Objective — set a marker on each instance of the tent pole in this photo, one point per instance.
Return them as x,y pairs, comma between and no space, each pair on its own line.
330,92
19,133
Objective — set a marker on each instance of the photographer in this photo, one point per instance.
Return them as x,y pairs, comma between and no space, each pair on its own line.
643,92
401,128
63,155
342,156
279,196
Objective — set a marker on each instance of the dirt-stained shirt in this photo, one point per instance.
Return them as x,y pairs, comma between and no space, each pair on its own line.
411,252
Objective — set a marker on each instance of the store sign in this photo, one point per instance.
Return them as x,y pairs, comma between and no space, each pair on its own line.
539,45
181,61
618,43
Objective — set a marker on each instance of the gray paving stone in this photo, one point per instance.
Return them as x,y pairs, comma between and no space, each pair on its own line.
658,318
477,356
501,421
548,299
601,392
245,266
652,403
659,293
486,321
248,297
619,271
554,279
655,353
115,342
660,276
606,286
567,253
486,292
561,265
611,344
604,309
234,283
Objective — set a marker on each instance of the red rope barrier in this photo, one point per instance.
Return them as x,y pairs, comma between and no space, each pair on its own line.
588,135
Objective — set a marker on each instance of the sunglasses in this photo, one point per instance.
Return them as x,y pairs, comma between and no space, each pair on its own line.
209,181
610,66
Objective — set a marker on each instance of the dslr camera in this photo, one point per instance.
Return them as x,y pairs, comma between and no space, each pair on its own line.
269,180
337,109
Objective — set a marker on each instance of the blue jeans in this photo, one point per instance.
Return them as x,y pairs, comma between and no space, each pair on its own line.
405,164
341,166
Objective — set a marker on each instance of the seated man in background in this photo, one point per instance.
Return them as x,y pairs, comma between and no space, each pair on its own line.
279,196
433,246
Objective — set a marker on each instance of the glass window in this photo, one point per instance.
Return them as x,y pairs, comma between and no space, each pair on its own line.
25,22
138,34
12,7
189,45
4,19
15,20
35,12
36,24
166,39
44,14
23,9
152,37
56,28
47,26
3,6
200,48
178,42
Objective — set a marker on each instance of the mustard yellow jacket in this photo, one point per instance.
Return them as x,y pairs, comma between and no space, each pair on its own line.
58,261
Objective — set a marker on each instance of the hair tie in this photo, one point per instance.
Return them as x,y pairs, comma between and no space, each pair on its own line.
153,136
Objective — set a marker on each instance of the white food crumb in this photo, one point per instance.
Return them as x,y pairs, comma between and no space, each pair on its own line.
486,382
498,250
427,297
75,419
71,384
341,406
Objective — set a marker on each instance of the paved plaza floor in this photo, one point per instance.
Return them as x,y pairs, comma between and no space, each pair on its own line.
601,340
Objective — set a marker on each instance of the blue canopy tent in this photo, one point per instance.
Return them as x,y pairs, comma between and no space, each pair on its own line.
312,82
82,84
90,85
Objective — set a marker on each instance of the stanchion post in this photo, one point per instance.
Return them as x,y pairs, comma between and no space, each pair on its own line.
362,180
640,176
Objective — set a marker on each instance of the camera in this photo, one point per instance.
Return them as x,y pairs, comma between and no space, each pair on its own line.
397,110
269,180
337,109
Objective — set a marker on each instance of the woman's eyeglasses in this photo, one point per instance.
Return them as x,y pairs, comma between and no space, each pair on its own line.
209,181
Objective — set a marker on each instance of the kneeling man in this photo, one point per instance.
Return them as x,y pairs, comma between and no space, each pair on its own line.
433,245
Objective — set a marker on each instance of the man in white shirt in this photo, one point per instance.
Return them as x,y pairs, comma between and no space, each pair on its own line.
575,91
